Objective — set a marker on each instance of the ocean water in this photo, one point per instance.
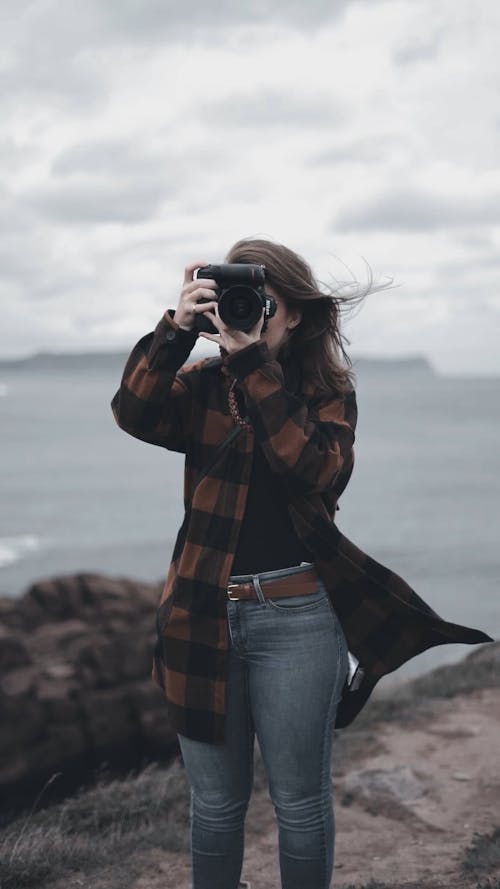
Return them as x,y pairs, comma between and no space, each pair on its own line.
79,494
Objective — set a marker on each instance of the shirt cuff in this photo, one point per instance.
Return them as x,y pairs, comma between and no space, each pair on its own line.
172,340
248,359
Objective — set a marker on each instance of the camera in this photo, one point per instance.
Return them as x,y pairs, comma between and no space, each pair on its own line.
239,294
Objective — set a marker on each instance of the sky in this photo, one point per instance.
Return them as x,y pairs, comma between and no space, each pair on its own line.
140,135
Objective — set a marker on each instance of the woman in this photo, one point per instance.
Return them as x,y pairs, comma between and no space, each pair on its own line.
264,599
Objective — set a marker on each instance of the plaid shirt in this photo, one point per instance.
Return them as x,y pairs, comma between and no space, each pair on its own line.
308,440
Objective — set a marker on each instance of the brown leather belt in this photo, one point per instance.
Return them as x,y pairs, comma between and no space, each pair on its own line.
298,584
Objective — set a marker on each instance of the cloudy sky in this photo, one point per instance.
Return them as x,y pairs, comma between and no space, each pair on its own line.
138,135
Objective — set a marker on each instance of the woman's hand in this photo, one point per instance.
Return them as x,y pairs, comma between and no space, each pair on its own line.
229,338
192,291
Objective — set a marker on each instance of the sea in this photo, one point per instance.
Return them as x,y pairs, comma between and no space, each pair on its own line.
79,494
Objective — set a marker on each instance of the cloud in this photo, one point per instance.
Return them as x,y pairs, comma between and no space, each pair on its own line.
73,24
123,158
109,180
99,202
153,20
374,149
109,157
141,132
420,50
113,180
271,108
409,209
47,44
14,154
57,48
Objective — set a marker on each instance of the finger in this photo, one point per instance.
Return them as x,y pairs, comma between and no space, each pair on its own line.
204,307
213,318
260,323
199,297
188,271
209,283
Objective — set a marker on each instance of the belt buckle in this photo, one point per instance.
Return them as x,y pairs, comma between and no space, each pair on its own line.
229,586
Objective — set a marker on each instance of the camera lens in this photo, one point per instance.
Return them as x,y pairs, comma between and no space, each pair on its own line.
240,307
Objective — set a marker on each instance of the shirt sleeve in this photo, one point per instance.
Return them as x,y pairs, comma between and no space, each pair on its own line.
306,446
153,402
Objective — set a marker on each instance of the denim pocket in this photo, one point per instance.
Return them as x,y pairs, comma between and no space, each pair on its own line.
305,602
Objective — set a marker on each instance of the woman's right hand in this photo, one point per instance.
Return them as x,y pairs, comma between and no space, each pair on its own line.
192,290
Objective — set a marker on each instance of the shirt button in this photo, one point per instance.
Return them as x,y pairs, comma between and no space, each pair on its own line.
170,334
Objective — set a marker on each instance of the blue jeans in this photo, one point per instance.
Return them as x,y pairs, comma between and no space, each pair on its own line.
286,670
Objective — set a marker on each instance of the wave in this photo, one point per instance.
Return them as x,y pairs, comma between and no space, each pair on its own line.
12,549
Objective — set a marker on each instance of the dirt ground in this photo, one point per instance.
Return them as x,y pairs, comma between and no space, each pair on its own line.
419,843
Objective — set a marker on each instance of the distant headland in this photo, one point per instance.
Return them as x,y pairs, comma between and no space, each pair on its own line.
101,361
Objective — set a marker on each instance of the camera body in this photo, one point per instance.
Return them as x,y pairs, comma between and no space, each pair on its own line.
240,296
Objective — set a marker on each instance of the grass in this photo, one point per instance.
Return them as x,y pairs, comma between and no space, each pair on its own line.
420,696
99,838
99,828
479,670
483,853
374,884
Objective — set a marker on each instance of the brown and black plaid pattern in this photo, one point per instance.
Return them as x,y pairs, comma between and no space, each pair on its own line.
308,441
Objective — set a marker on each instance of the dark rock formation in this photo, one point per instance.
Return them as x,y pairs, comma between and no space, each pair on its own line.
75,683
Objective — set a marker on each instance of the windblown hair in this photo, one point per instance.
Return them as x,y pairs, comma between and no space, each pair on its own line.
318,338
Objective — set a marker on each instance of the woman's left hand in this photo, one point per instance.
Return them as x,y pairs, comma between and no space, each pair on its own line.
230,339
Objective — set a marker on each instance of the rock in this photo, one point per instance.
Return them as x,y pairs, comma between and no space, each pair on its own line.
49,635
22,723
76,689
384,789
59,671
13,650
107,717
18,682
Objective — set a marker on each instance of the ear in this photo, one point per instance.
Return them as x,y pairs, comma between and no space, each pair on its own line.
295,319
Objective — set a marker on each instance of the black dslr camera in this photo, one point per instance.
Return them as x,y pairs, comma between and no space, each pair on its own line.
240,296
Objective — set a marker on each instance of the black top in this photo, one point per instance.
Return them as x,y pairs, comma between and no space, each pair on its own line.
267,538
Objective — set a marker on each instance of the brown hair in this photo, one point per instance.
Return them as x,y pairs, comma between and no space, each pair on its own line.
318,338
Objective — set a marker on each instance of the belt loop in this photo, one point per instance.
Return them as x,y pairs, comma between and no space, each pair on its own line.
258,589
